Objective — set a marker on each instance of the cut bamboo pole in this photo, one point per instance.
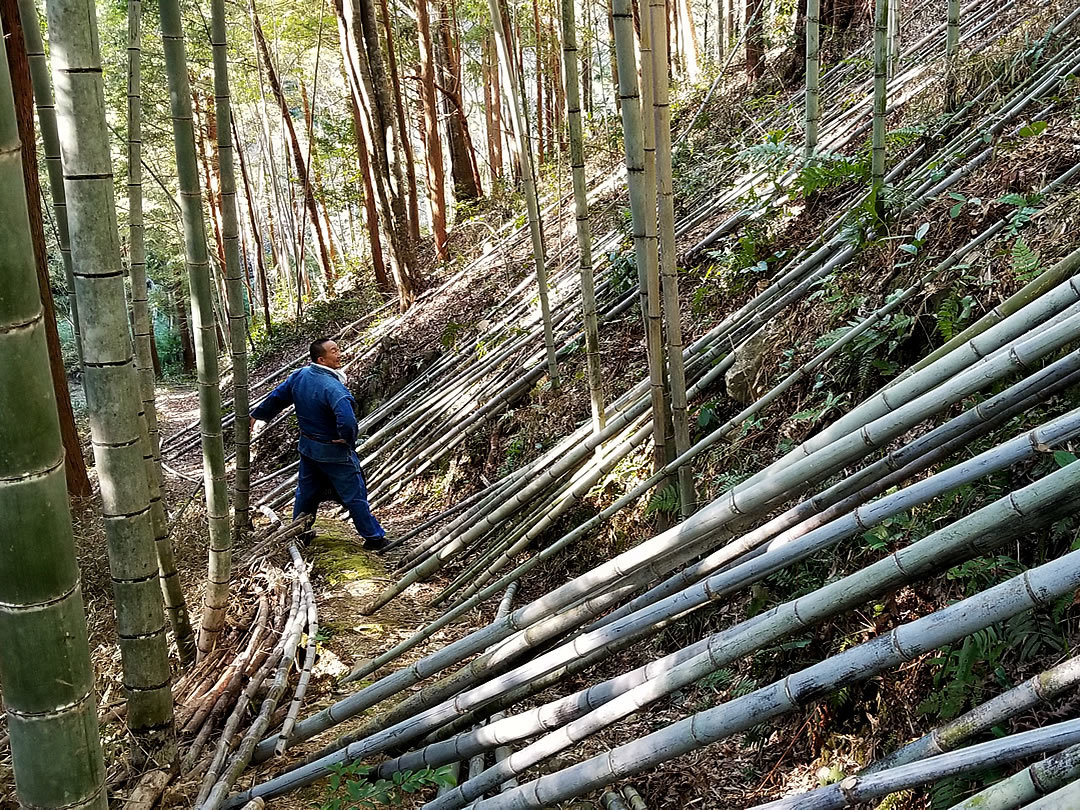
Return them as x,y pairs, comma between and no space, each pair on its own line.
856,789
1037,587
1029,784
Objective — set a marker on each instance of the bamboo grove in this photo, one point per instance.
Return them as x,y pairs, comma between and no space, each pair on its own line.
357,148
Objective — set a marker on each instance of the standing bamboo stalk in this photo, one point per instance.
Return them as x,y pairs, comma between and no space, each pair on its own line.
524,153
48,680
676,371
952,44
581,211
893,37
257,239
112,389
20,70
645,235
436,181
813,77
216,597
170,579
877,162
50,140
234,284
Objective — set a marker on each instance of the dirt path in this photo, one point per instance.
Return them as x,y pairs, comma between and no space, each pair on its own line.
345,578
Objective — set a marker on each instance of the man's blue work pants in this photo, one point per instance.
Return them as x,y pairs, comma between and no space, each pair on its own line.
340,481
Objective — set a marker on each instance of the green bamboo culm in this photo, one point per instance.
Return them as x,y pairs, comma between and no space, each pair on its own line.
46,112
877,157
44,654
215,599
528,181
581,211
649,272
234,279
676,371
642,200
952,45
112,389
175,605
813,77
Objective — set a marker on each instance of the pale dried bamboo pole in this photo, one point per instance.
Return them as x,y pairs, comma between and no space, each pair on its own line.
1029,784
1037,587
309,656
1003,751
723,584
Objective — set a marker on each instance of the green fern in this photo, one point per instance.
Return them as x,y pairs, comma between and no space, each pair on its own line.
830,170
1025,261
665,500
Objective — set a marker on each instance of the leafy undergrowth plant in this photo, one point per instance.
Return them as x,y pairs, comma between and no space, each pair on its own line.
349,787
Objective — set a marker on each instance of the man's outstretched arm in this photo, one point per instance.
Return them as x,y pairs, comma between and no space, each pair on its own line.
276,401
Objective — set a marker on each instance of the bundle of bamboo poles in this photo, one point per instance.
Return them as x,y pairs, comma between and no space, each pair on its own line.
1038,330
501,523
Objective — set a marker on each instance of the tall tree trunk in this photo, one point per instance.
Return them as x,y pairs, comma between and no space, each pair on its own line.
489,104
532,203
755,39
676,373
260,263
220,563
46,110
391,213
299,164
206,349
187,344
893,37
877,155
403,127
688,45
144,364
813,73
952,44
78,483
649,273
371,216
586,62
613,55
313,160
112,388
462,165
642,200
48,680
433,153
383,114
581,211
539,84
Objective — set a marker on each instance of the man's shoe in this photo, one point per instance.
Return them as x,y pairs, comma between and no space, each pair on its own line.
377,544
305,538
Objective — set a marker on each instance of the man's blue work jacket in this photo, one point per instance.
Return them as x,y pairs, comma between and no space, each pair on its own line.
324,409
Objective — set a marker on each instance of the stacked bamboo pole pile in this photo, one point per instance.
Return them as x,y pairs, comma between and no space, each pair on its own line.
570,469
542,641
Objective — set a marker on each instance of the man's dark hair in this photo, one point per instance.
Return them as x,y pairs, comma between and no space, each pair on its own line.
316,349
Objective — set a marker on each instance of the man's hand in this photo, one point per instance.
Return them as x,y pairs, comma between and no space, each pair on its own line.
251,425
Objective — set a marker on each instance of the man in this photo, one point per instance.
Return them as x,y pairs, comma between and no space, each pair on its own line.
329,468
